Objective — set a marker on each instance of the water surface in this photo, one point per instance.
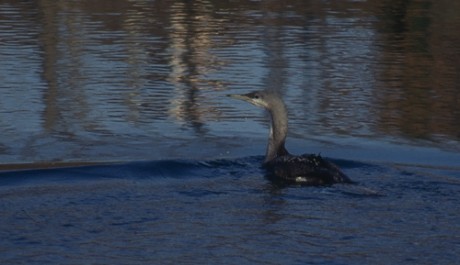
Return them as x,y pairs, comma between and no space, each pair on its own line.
130,152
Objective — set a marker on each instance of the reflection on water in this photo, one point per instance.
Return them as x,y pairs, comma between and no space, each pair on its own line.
422,87
85,81
119,80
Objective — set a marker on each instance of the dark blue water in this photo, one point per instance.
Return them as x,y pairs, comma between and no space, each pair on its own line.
119,146
224,211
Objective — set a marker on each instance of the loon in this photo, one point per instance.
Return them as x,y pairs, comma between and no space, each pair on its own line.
307,169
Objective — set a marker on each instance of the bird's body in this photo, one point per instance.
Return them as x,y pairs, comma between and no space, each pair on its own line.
279,163
305,169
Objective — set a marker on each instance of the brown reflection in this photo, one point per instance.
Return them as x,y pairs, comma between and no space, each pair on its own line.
419,70
64,42
49,45
277,61
65,101
120,66
192,28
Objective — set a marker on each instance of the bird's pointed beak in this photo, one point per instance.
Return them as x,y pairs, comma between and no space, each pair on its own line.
252,98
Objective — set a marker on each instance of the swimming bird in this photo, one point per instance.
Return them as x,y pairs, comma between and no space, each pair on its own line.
307,169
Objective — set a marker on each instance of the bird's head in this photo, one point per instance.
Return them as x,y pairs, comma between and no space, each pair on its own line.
257,98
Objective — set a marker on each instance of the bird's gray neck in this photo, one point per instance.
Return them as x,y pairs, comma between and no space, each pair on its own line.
278,131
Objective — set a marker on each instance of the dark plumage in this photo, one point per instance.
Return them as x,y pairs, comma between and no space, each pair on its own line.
282,166
305,169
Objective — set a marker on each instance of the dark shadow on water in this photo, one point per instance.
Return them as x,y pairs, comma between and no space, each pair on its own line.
369,180
138,170
235,169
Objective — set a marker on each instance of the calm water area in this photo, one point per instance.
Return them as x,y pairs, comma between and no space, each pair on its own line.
118,144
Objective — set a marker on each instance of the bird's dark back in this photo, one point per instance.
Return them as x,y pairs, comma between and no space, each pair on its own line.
305,169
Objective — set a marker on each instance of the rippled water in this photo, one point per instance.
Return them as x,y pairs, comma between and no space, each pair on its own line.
140,87
224,211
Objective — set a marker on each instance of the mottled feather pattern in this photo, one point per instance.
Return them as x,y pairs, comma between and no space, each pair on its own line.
305,169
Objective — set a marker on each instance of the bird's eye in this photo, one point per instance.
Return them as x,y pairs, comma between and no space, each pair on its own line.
256,96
